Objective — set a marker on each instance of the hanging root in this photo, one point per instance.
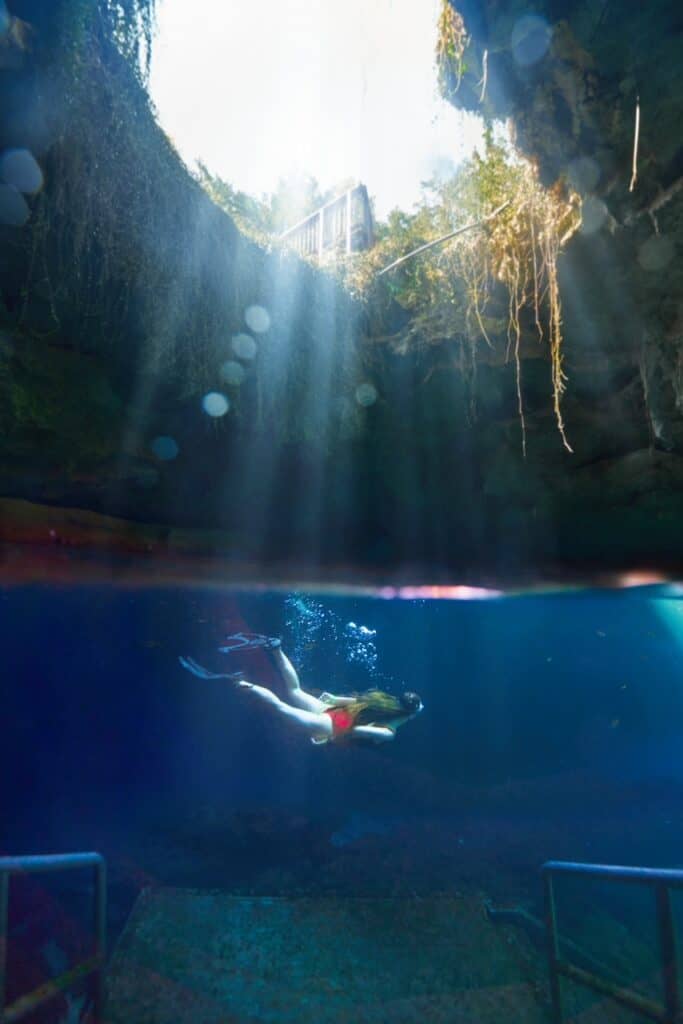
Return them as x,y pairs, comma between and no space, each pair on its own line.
518,374
555,327
515,304
455,293
484,75
636,138
537,301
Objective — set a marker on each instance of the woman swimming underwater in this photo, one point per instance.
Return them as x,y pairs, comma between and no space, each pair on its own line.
372,716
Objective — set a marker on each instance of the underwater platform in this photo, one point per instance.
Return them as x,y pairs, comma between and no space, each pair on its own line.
212,958
208,957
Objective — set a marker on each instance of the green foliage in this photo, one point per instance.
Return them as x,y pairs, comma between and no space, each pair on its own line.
452,40
252,216
264,219
127,25
295,197
486,285
475,287
58,399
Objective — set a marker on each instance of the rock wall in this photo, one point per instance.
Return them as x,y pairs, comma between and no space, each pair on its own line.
570,77
122,289
127,297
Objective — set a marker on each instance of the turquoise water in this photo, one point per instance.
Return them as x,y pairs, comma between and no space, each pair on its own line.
552,729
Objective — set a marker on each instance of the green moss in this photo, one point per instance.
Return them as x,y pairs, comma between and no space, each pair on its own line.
58,404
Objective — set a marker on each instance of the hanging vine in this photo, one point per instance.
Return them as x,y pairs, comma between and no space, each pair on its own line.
452,40
453,290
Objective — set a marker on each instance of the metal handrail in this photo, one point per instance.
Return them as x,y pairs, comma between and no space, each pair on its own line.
662,880
321,209
330,225
93,965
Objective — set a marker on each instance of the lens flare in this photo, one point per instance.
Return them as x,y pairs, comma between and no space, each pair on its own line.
530,39
257,319
232,373
583,174
215,404
657,253
244,346
18,167
14,210
366,394
165,448
593,215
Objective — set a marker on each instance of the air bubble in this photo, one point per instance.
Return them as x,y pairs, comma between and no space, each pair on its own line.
360,647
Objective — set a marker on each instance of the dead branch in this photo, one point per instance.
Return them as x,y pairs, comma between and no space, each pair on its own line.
660,200
444,238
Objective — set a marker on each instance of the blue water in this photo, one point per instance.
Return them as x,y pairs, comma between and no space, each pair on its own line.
552,728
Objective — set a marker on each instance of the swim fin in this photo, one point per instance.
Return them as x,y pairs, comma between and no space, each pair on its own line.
203,673
250,641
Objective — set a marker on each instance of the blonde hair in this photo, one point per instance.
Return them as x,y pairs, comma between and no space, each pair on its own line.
375,706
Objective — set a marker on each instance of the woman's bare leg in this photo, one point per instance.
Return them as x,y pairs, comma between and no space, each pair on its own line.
297,696
314,723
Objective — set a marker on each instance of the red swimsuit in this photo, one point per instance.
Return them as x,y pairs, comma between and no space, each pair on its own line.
342,720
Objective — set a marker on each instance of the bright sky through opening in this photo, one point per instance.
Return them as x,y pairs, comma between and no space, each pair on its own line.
335,88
